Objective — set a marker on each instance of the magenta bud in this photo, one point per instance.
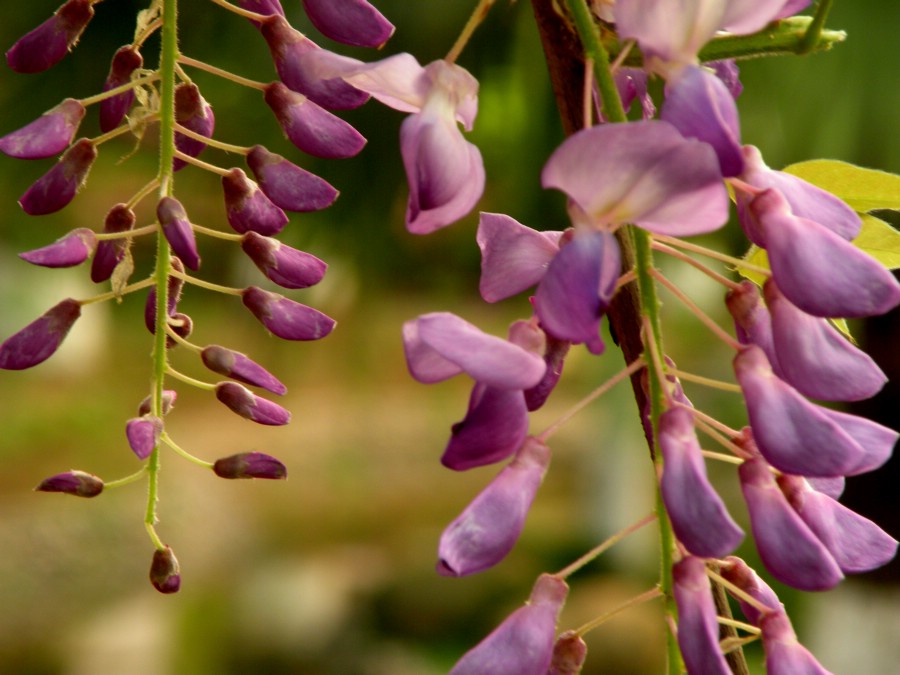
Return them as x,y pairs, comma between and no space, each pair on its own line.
698,628
178,231
237,366
354,22
72,249
47,44
250,465
168,401
286,266
287,185
48,135
285,318
740,574
56,188
113,109
38,341
569,654
143,434
76,483
194,113
247,207
250,406
165,574
310,127
111,251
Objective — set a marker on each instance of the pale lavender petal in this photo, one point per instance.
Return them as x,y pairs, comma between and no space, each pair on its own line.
794,435
523,643
178,231
699,517
877,441
645,173
68,251
736,571
46,45
784,653
578,287
513,257
727,70
495,426
126,60
672,30
287,185
700,106
397,81
285,318
40,339
286,266
248,209
240,367
791,7
352,22
48,135
632,85
790,550
743,17
698,629
486,531
833,487
56,188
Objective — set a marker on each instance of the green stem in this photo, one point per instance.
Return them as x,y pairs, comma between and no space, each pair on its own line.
813,34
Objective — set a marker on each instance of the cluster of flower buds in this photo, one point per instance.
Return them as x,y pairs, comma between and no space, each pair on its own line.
310,85
668,178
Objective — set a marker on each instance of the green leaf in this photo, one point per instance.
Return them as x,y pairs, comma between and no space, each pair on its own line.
879,240
862,189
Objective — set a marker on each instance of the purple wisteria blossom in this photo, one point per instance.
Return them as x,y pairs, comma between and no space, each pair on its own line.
48,135
110,252
698,629
784,653
248,209
287,185
286,266
68,251
352,22
286,318
165,572
40,339
77,483
752,321
169,396
240,367
264,7
250,465
143,434
193,113
126,60
178,231
46,45
523,643
740,574
486,531
445,172
56,188
250,406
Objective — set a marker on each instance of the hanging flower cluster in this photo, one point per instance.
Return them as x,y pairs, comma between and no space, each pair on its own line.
255,209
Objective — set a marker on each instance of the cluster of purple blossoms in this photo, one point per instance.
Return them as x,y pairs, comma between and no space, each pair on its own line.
667,177
255,209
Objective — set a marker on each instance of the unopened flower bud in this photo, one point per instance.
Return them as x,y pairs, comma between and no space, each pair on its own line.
239,367
48,135
168,400
47,44
310,127
248,209
250,406
285,318
38,341
286,266
56,188
250,465
698,628
287,185
178,231
194,113
113,109
76,483
784,653
569,654
68,251
143,434
111,251
165,574
355,22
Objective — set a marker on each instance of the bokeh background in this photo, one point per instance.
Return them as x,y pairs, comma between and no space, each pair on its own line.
332,570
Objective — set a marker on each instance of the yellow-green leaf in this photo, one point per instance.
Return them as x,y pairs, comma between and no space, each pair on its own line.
880,240
863,189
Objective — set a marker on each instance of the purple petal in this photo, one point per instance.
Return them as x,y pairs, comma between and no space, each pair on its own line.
165,573
876,441
247,207
440,345
495,426
672,31
285,318
113,110
194,113
56,188
352,22
287,185
790,550
168,402
856,543
286,266
817,360
794,435
554,356
736,571
513,257
397,81
47,44
784,653
143,434
48,135
699,517
833,487
77,483
250,406
727,70
698,629
178,231
752,321
111,251
40,339
264,7
578,287
72,249
644,173
250,465
310,127
523,643
700,106
486,531
816,269
238,366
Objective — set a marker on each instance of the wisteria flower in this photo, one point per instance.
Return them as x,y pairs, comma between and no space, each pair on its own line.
40,339
193,113
143,434
740,574
250,406
56,188
48,135
240,367
784,653
110,252
165,572
248,209
698,629
126,60
178,231
286,266
77,483
287,185
46,45
286,318
352,22
250,465
68,251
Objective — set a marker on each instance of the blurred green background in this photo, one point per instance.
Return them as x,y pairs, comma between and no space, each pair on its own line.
332,570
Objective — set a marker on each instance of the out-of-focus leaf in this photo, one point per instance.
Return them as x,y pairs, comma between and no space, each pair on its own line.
862,189
880,240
